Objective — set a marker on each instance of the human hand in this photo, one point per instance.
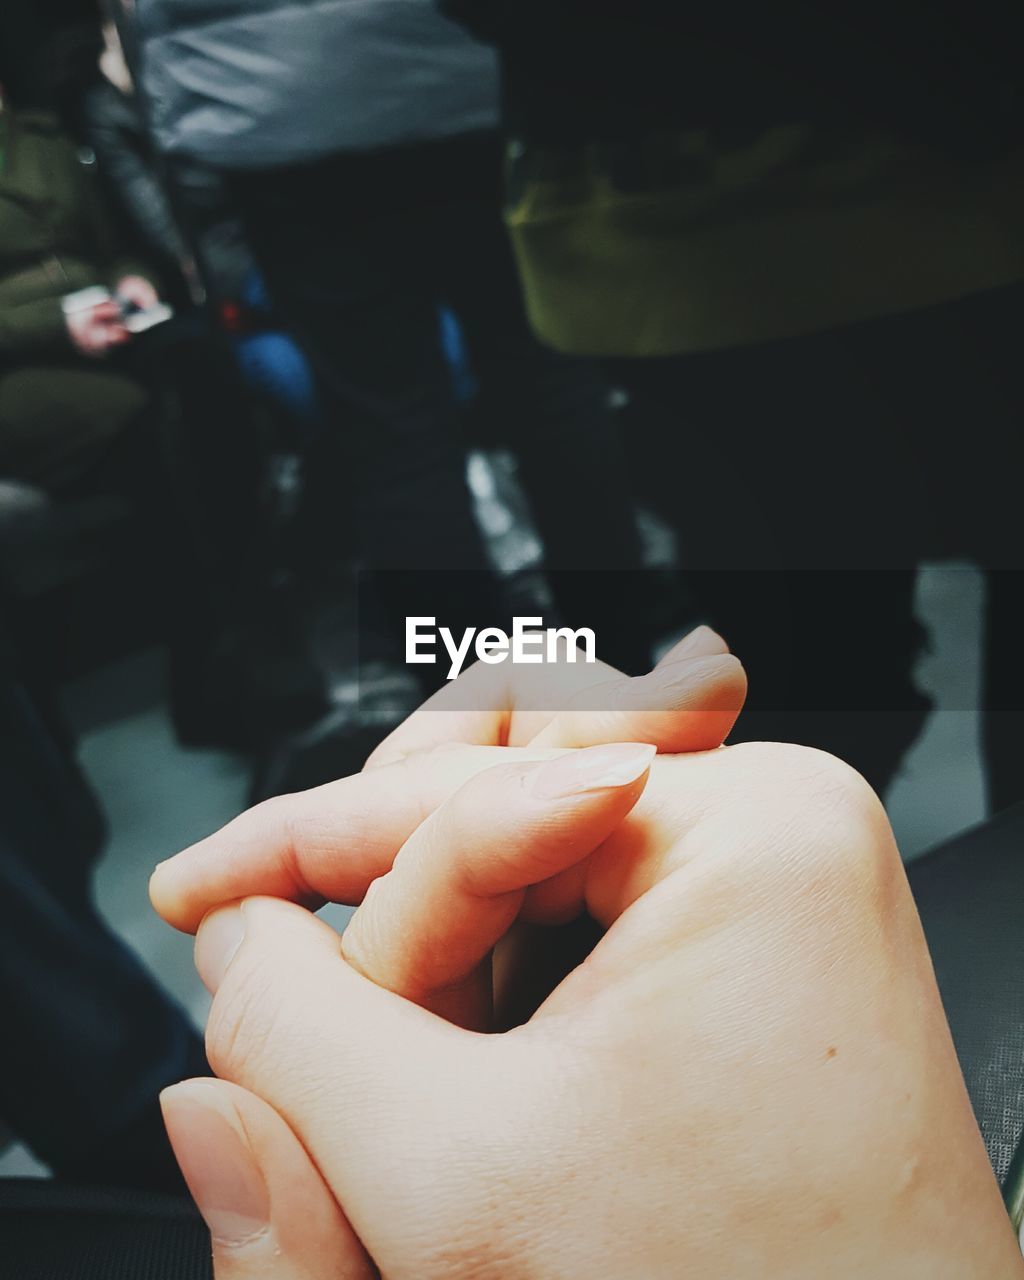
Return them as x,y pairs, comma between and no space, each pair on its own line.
750,1076
270,1214
330,843
97,330
138,290
688,703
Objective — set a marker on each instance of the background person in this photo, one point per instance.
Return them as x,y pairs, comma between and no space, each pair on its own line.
804,231
366,166
61,410
90,1038
159,419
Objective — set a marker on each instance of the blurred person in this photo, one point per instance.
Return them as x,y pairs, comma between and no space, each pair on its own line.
160,418
360,142
805,229
89,1037
61,407
114,124
183,215
74,419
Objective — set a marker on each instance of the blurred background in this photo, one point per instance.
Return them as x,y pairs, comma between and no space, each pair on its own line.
468,310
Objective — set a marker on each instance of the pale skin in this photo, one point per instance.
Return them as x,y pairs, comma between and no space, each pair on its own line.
96,331
750,1076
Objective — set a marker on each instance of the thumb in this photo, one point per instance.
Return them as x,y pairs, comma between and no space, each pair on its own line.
374,1087
269,1213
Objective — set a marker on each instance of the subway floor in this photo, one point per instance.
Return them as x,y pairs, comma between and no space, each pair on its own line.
159,797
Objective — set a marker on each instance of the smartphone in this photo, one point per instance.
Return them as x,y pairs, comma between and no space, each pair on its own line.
138,320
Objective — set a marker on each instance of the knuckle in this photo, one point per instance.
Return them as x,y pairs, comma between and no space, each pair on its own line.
439,764
445,751
444,754
837,791
362,942
478,794
833,822
269,816
241,1013
276,811
820,780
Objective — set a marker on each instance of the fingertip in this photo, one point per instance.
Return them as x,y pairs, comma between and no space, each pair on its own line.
165,897
519,824
266,1204
223,1173
728,679
205,1093
157,888
223,930
269,922
697,677
218,939
591,770
702,642
180,1090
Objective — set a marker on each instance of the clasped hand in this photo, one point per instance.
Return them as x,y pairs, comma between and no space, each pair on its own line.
749,1076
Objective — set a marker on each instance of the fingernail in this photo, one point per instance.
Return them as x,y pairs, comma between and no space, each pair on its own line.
592,769
156,881
692,671
219,937
216,1162
701,642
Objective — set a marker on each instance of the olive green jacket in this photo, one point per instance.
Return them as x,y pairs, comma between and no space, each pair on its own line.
687,242
55,237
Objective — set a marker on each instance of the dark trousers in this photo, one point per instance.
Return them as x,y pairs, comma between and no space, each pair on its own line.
89,1039
359,252
808,479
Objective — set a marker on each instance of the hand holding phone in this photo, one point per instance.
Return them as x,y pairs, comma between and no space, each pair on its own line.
136,293
94,322
140,304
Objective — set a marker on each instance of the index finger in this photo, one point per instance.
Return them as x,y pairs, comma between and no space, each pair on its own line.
324,845
330,843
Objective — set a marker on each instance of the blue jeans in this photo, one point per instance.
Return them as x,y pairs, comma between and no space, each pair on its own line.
89,1037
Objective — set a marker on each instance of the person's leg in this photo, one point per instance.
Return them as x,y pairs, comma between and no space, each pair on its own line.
1003,689
341,243
781,467
89,1038
242,667
60,422
977,366
346,250
211,455
553,410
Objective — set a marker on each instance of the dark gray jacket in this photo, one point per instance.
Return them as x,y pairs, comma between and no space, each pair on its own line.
249,84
